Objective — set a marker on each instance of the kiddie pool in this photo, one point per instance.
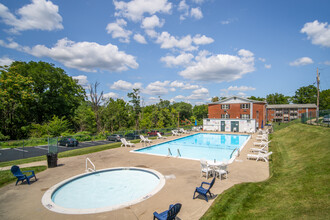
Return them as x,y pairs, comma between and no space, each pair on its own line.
103,190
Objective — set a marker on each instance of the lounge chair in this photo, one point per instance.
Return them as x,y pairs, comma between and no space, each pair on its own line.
159,136
261,144
145,140
203,191
262,137
259,156
175,133
184,131
169,214
221,170
20,176
205,168
264,149
126,143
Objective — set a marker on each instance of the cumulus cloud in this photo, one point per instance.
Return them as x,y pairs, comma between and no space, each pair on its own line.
181,60
268,66
198,39
301,61
39,15
82,80
241,88
157,88
199,94
220,67
84,56
111,95
196,13
152,22
262,59
117,30
181,85
140,39
179,97
135,9
318,32
5,61
125,86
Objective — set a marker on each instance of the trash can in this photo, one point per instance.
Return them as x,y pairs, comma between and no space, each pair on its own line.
51,160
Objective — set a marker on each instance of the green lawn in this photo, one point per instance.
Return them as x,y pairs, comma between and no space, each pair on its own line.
299,185
7,177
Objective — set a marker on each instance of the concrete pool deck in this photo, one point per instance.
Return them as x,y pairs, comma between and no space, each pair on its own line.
24,201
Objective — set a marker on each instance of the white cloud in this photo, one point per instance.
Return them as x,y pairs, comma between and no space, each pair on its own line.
241,94
179,97
301,61
84,56
319,33
168,42
125,86
196,13
140,39
152,22
157,88
5,61
117,30
220,67
181,60
268,66
241,88
82,80
198,39
199,94
181,85
151,33
262,59
135,9
111,95
183,7
40,15
198,1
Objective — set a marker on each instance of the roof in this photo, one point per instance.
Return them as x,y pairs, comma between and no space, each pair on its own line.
226,100
292,106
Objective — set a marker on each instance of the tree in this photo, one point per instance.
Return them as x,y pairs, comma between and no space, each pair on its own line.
135,100
16,92
84,118
277,99
200,111
184,110
305,95
256,98
325,99
215,99
116,115
96,99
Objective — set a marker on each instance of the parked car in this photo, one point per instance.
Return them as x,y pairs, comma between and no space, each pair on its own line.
114,137
326,118
68,142
132,136
154,133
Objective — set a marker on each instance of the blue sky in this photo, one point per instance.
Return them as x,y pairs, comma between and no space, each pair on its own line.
189,50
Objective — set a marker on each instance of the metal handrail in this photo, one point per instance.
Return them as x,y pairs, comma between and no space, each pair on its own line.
89,169
234,151
169,152
179,154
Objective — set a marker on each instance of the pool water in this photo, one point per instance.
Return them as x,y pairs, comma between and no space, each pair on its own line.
200,146
104,190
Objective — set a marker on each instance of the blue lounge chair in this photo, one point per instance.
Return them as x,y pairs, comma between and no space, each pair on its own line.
169,214
204,191
20,176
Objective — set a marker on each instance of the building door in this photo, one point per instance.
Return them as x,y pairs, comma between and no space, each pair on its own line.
235,126
223,125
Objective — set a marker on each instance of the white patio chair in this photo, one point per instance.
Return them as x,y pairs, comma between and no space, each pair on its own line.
259,156
126,143
145,140
205,168
264,149
175,133
159,136
221,170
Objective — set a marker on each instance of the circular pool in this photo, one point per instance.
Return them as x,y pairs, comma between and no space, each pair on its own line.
103,190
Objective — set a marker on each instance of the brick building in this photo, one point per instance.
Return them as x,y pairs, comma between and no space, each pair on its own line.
238,108
288,112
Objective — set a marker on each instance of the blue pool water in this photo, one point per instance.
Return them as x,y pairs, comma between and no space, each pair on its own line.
200,146
105,189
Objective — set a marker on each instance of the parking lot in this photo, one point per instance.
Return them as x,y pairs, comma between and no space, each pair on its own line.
9,154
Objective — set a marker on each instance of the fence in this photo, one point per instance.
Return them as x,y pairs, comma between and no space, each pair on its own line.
311,118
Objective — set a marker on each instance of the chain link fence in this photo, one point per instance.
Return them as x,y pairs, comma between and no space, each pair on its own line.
311,118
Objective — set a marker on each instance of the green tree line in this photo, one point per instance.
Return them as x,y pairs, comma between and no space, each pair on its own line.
38,99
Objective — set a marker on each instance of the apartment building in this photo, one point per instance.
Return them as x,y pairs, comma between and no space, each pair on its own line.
235,112
287,112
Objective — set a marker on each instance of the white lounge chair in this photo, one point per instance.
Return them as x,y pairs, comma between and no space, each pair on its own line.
262,138
145,140
261,144
126,143
175,133
183,131
264,149
205,168
259,156
221,170
159,136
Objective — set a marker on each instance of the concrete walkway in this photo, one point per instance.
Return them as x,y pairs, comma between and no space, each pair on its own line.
24,201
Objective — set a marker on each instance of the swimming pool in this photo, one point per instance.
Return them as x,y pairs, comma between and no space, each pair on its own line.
207,146
104,190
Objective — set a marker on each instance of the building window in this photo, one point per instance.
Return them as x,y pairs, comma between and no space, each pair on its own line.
245,116
245,106
226,106
225,116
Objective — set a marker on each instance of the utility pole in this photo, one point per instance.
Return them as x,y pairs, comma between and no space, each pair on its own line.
318,95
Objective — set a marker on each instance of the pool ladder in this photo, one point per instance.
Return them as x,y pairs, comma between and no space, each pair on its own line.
88,169
236,149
